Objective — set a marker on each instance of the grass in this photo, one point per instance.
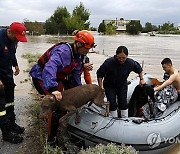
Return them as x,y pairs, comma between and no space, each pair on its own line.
32,59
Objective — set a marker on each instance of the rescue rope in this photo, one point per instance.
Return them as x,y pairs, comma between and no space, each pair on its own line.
143,120
113,119
106,126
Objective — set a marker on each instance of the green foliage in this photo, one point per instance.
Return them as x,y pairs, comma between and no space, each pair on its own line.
102,28
35,110
73,23
59,15
51,26
82,14
169,32
155,28
32,59
109,149
63,22
55,24
110,29
168,27
133,27
51,150
149,28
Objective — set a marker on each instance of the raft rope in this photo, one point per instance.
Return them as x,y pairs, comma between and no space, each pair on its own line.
106,126
113,119
143,120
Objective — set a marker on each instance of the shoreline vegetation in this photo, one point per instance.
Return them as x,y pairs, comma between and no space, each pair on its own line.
37,142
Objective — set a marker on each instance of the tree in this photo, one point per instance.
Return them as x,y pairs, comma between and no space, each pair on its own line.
51,26
55,24
148,27
110,29
133,27
155,28
79,19
168,27
102,28
73,24
63,22
82,14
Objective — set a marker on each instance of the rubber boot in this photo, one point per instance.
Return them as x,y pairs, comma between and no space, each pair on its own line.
12,118
52,141
124,113
8,135
17,129
114,113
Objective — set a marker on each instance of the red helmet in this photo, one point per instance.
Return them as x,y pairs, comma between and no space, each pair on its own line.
85,37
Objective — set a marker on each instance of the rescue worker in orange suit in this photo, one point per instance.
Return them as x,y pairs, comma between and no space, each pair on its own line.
8,43
59,68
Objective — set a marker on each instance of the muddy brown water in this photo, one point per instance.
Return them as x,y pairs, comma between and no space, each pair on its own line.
143,48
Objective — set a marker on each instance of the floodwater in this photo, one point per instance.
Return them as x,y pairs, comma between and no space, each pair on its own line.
147,50
144,48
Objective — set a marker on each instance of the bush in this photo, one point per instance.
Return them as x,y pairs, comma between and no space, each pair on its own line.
111,148
51,150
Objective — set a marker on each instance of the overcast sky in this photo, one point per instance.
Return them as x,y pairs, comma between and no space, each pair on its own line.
155,11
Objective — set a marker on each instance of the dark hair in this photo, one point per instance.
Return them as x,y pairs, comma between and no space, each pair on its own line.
166,61
122,49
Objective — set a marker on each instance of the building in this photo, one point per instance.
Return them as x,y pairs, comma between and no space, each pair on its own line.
119,24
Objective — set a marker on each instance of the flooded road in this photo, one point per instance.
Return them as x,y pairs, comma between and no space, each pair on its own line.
143,48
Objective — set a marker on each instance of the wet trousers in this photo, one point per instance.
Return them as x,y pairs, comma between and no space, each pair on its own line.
7,102
117,97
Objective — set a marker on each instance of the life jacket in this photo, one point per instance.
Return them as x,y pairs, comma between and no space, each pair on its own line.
64,74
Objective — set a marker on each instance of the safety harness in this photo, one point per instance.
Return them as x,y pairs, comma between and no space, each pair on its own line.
64,74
